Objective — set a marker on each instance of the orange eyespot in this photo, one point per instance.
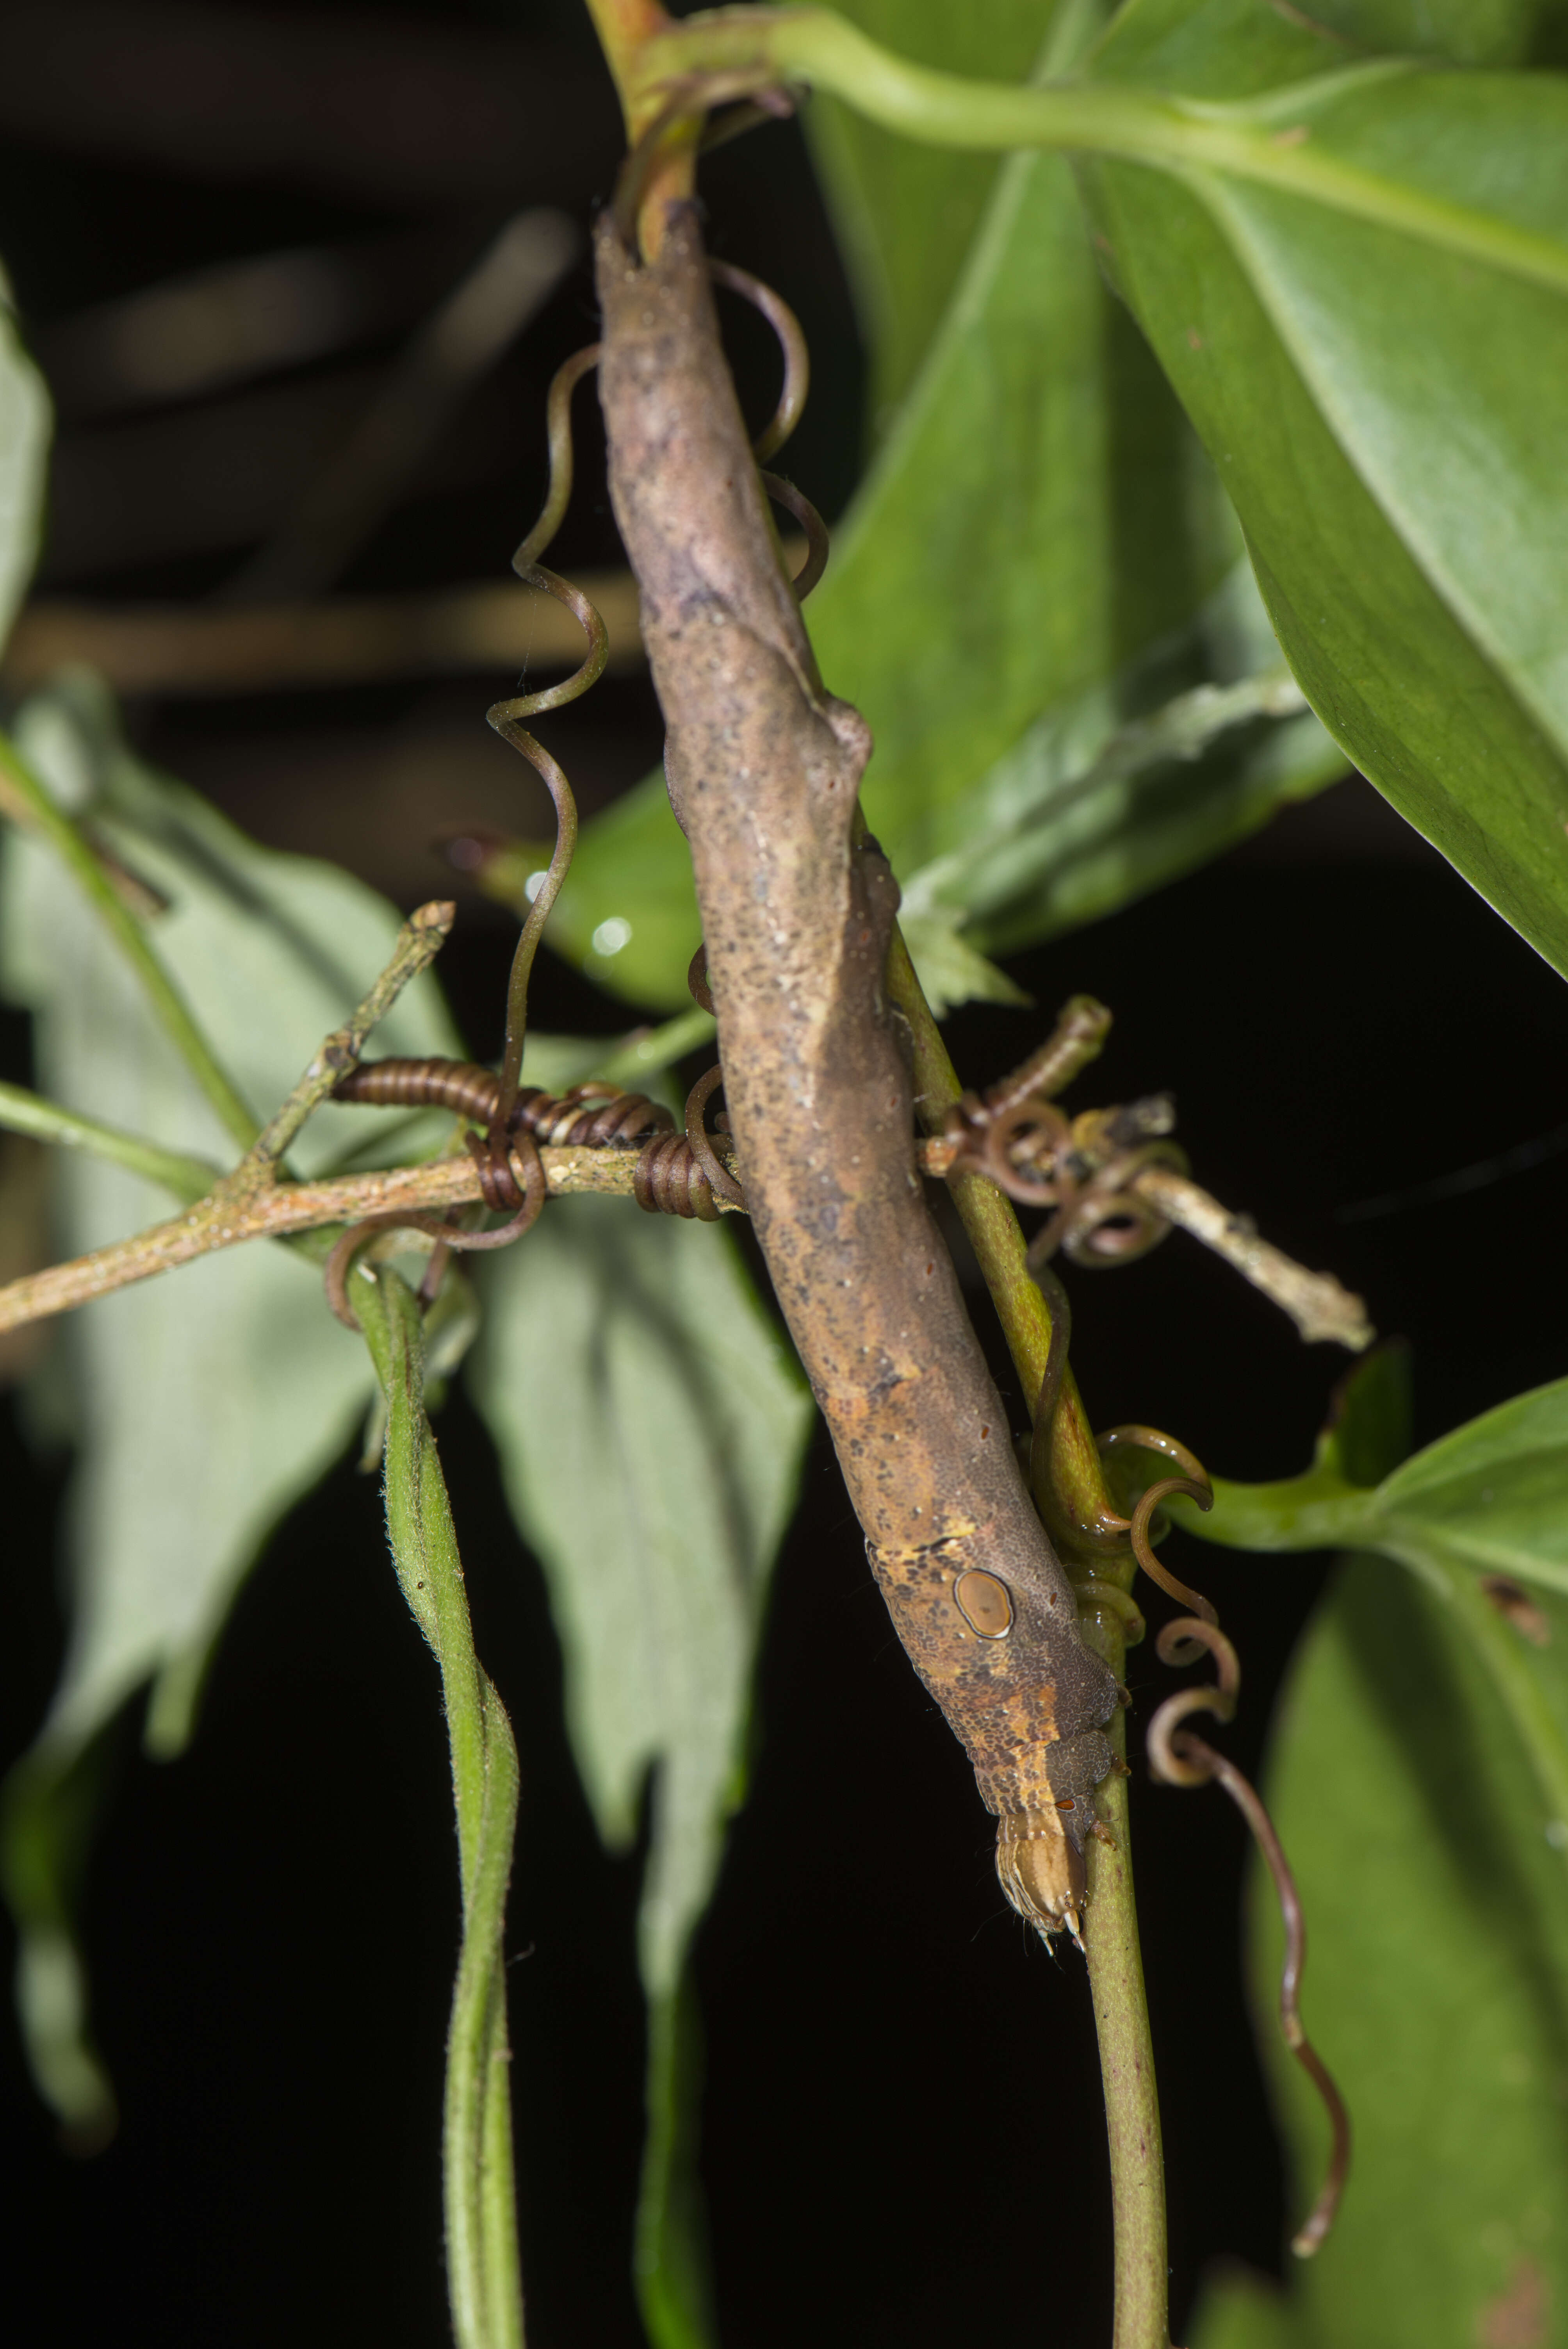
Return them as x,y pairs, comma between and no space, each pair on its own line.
984,1602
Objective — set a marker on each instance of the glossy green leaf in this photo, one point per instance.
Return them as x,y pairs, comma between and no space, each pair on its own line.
650,1424
1377,362
1090,809
1436,1892
1495,1493
24,418
1493,1497
204,1403
1485,1502
630,888
1465,32
906,215
1039,517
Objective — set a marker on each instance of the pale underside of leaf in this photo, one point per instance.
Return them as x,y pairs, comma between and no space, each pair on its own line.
650,1427
204,1404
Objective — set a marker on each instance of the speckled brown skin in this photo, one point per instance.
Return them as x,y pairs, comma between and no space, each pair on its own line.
764,768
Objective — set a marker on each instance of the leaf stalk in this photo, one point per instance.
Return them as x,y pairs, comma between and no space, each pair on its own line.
1267,143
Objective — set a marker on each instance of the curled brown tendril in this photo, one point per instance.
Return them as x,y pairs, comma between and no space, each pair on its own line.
595,1116
721,1181
1197,1488
1110,1533
531,1195
785,417
506,717
747,102
1180,1758
1084,1167
796,383
672,1177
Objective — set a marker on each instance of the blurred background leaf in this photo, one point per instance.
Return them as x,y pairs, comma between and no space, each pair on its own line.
1437,1989
200,1407
24,419
651,1425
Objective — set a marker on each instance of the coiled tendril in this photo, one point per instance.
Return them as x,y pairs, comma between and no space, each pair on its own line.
1083,1167
678,1173
1180,1758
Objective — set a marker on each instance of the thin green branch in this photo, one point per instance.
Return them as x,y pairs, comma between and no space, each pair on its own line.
1110,1915
483,2280
25,1112
24,798
644,1055
1266,142
998,1243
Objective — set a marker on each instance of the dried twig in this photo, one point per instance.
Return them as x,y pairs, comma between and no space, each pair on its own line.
1315,1301
418,942
218,1222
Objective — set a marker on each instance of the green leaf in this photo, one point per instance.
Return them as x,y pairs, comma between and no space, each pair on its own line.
1240,2310
1491,1497
1495,1493
650,1424
1039,516
24,421
1437,1989
630,888
1089,809
1377,358
203,1403
1040,560
905,215
1485,1502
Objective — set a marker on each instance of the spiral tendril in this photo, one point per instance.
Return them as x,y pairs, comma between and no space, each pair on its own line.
1180,1758
785,417
506,717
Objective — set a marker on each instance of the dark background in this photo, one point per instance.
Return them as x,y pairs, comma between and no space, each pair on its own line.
902,2139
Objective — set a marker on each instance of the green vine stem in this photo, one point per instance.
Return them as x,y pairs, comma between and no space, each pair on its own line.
483,2277
998,1243
1110,1916
1126,2048
24,798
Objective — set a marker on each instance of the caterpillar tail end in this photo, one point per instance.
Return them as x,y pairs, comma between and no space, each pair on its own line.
1041,1871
